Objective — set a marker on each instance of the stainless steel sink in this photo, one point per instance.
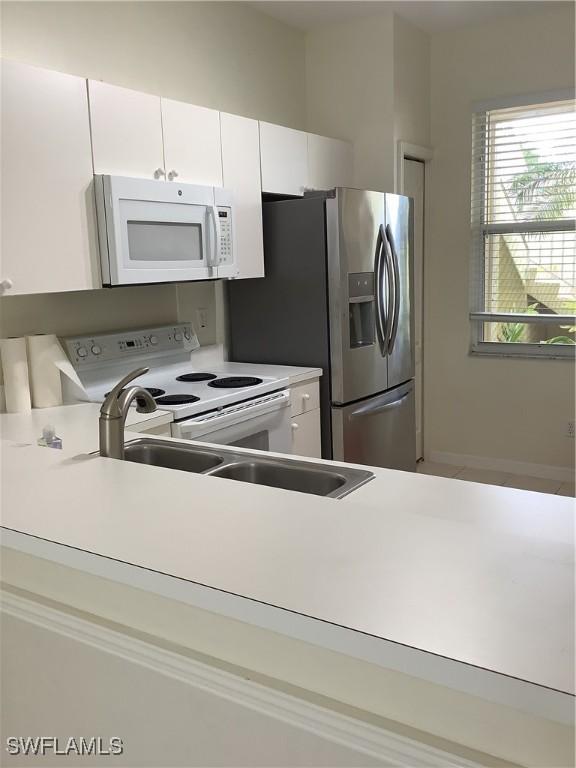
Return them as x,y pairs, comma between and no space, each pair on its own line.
170,455
290,476
287,473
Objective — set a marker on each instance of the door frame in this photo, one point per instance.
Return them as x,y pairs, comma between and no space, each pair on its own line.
407,151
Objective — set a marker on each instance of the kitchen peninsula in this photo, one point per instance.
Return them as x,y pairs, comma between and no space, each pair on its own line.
457,587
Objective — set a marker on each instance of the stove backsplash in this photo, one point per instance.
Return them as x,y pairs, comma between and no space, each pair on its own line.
80,312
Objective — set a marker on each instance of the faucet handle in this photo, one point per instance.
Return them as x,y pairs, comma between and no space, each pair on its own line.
110,403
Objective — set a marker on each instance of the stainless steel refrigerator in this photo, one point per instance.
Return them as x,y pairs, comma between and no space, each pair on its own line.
338,295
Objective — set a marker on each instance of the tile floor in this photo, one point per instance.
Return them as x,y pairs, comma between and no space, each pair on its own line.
492,477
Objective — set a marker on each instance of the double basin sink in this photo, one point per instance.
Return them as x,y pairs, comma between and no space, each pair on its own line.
287,473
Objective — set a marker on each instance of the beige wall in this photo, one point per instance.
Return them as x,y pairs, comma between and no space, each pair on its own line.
349,92
411,84
503,408
367,80
226,56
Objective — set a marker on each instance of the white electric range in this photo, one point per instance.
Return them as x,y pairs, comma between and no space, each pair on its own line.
215,406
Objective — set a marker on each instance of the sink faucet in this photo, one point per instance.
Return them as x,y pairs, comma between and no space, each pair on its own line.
114,411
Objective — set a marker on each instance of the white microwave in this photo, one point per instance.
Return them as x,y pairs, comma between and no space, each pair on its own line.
163,231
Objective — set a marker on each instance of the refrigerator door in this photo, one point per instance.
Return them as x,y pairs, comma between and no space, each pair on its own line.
398,239
357,294
379,431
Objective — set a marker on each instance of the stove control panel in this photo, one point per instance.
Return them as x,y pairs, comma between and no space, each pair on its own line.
96,349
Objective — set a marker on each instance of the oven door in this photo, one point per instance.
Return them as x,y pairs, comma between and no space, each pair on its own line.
156,232
262,424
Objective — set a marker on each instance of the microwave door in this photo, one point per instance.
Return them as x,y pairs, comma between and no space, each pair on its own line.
161,242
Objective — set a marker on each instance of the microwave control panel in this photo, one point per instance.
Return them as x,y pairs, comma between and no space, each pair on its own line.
225,222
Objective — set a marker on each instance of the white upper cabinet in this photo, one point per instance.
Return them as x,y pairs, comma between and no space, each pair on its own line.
284,159
330,162
48,223
126,131
192,149
241,164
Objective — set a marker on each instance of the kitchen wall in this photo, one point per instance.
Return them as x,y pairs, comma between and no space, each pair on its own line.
227,56
411,84
507,409
349,92
368,81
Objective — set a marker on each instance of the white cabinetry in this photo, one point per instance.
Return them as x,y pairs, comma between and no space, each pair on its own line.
48,224
241,167
305,412
292,161
126,131
329,162
192,150
284,159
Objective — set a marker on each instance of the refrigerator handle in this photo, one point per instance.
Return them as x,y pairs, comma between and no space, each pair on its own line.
391,273
396,274
381,322
367,410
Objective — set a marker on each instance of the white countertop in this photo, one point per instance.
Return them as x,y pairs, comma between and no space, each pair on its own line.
77,425
465,584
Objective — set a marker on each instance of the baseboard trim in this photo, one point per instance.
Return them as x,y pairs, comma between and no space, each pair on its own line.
547,471
389,747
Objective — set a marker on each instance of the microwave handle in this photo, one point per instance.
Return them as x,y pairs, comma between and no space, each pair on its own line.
213,213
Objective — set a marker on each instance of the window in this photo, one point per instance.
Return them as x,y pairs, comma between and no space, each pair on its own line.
523,226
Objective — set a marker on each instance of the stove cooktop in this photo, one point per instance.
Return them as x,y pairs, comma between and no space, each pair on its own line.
176,387
101,360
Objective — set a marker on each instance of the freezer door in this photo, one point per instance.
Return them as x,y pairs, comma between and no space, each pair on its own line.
356,281
379,431
398,245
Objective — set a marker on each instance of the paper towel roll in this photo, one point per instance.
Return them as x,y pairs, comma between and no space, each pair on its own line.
47,362
45,383
15,368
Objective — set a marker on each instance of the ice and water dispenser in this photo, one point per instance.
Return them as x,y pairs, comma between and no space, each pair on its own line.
361,309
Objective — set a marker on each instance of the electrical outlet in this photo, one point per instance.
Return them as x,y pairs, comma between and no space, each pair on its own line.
570,429
202,317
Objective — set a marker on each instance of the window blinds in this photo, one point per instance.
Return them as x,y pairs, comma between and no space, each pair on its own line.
523,213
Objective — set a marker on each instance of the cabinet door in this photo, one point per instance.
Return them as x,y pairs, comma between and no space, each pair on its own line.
126,131
329,162
48,224
304,397
192,148
306,435
241,166
284,159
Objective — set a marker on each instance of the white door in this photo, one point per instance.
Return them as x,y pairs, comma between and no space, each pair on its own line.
126,131
241,167
192,149
48,221
284,159
329,162
414,187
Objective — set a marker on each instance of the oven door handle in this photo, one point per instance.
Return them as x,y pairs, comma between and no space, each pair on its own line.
210,422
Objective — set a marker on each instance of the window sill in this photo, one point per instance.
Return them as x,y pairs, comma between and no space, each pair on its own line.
531,351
